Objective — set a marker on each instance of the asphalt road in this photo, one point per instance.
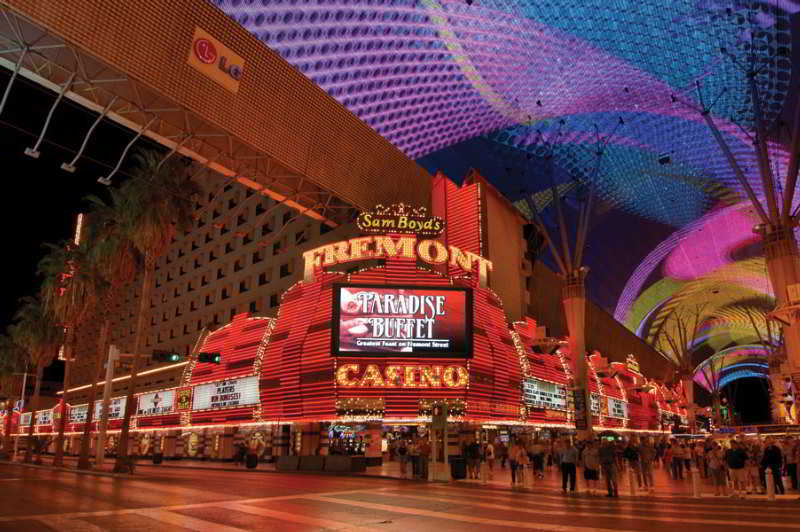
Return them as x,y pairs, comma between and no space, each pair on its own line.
175,499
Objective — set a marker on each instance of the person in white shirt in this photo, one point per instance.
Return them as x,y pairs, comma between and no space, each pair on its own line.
489,453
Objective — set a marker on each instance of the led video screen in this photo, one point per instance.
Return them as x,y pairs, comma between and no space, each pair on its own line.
401,321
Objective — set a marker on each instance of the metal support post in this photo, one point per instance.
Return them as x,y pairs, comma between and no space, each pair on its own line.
34,152
695,482
17,66
107,180
770,484
70,166
21,408
631,480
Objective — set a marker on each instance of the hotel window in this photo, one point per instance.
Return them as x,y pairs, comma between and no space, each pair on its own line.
287,269
196,263
233,313
211,256
228,247
276,247
216,319
273,300
257,257
208,238
253,306
169,276
220,274
264,278
249,192
178,311
226,293
175,292
324,228
244,286
246,239
194,245
237,266
232,203
240,220
209,299
266,229
214,214
189,287
199,324
301,237
193,305
203,281
260,209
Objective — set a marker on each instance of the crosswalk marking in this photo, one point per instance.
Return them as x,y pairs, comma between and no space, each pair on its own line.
458,517
644,503
192,523
71,525
578,513
292,518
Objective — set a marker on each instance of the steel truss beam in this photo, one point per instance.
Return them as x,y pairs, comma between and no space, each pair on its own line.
30,51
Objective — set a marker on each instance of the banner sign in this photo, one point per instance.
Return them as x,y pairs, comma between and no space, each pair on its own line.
579,400
44,417
400,219
226,394
544,394
392,320
116,408
184,401
156,403
78,414
617,408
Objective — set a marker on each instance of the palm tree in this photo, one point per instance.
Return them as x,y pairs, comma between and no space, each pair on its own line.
38,334
12,362
676,339
70,289
114,259
156,206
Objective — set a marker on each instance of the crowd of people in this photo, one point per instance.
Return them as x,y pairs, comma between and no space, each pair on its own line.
746,464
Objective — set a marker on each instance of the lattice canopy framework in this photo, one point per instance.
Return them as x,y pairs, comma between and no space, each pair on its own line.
528,92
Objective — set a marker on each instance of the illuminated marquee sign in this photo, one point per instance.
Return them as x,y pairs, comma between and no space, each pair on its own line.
116,408
226,394
77,414
401,376
400,219
632,364
543,394
382,247
155,404
617,408
389,320
215,60
44,417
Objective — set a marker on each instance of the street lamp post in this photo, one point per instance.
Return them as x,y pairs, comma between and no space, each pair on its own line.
22,406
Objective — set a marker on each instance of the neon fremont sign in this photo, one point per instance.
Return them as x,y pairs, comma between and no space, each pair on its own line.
381,247
351,375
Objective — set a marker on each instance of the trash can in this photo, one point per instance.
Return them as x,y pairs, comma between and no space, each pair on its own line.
252,461
458,467
158,458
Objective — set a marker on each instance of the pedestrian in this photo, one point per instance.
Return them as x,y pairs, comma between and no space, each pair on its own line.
631,454
678,453
402,453
608,464
522,462
413,456
502,448
667,460
773,460
241,452
647,455
473,452
736,460
424,451
512,460
537,451
568,461
716,469
591,465
792,455
754,471
489,453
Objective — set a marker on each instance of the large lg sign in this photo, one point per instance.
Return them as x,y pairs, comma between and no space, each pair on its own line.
206,52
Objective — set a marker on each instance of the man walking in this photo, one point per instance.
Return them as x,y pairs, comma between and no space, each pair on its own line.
736,459
647,454
773,460
608,465
569,461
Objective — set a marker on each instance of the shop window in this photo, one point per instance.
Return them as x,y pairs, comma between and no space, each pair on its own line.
273,300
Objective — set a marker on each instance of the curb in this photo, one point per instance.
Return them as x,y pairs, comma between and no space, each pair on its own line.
67,470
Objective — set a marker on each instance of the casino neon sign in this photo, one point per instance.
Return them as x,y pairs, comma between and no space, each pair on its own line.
401,376
385,246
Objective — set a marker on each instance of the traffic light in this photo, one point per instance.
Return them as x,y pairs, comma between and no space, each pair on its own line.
212,358
166,356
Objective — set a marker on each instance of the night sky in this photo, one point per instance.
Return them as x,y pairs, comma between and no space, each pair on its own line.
43,200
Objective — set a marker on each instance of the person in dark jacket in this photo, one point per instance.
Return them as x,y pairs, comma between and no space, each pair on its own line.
773,460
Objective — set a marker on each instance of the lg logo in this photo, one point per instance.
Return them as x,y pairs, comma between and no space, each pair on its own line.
206,52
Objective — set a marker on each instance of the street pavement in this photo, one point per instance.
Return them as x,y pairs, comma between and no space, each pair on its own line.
183,498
